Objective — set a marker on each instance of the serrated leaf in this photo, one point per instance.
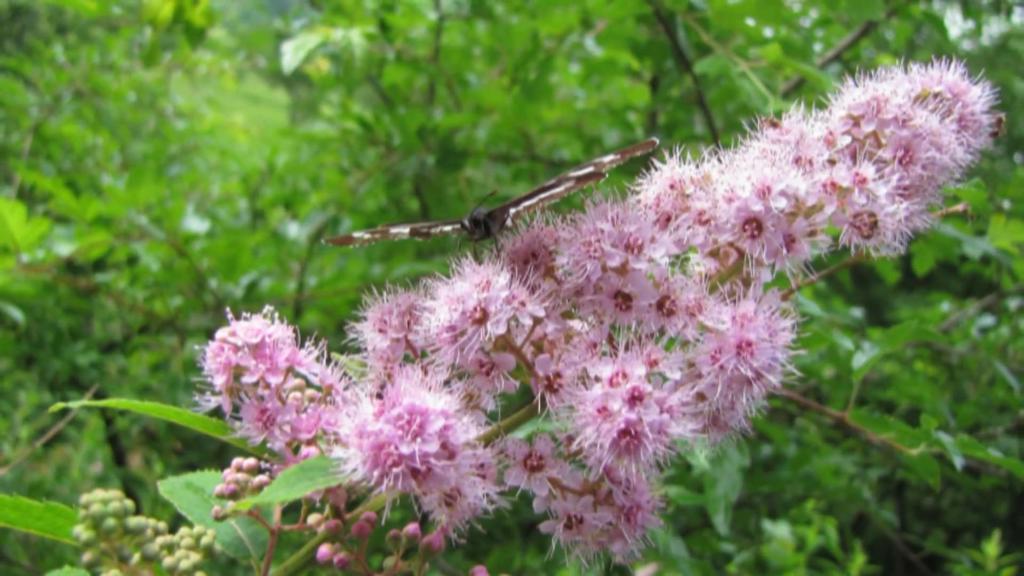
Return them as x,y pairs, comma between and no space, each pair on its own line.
51,520
297,481
192,495
213,427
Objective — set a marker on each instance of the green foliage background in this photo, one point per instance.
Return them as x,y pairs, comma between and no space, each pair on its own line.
163,160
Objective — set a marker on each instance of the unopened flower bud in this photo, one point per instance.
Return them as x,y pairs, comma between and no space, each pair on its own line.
260,482
251,465
370,517
315,519
412,532
218,513
331,526
394,538
325,553
341,560
361,530
479,570
432,544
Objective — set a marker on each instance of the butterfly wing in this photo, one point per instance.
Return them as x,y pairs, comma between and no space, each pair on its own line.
418,230
568,182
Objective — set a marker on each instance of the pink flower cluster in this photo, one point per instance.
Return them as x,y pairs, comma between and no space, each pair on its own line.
273,390
640,325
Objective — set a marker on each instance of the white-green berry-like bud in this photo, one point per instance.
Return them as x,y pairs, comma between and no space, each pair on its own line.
110,526
150,552
90,559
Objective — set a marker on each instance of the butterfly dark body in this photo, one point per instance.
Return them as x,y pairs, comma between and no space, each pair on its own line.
483,224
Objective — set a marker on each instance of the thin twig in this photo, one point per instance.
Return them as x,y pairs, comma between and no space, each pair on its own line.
837,51
298,301
843,420
740,62
986,302
435,54
687,66
46,437
268,558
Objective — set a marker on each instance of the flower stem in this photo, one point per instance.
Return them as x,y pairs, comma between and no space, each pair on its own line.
515,420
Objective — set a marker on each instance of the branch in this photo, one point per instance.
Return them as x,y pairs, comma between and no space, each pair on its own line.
684,63
837,51
844,421
435,54
299,301
53,431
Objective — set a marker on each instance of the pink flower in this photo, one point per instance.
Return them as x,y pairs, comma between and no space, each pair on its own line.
530,465
417,438
388,329
469,311
634,512
280,388
577,523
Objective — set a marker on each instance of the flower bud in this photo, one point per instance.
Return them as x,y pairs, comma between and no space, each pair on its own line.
341,560
479,570
325,553
331,526
260,482
394,538
315,519
432,544
251,465
362,530
219,513
110,526
370,517
412,532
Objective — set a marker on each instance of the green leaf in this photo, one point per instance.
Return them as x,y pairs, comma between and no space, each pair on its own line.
1006,233
891,429
296,49
68,571
297,481
723,483
925,468
47,519
18,231
975,193
949,444
192,495
974,449
201,423
13,312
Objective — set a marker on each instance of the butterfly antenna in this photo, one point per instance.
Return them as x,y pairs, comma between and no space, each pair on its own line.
485,198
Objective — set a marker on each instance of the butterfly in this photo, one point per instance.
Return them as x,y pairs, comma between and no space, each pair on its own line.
483,224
